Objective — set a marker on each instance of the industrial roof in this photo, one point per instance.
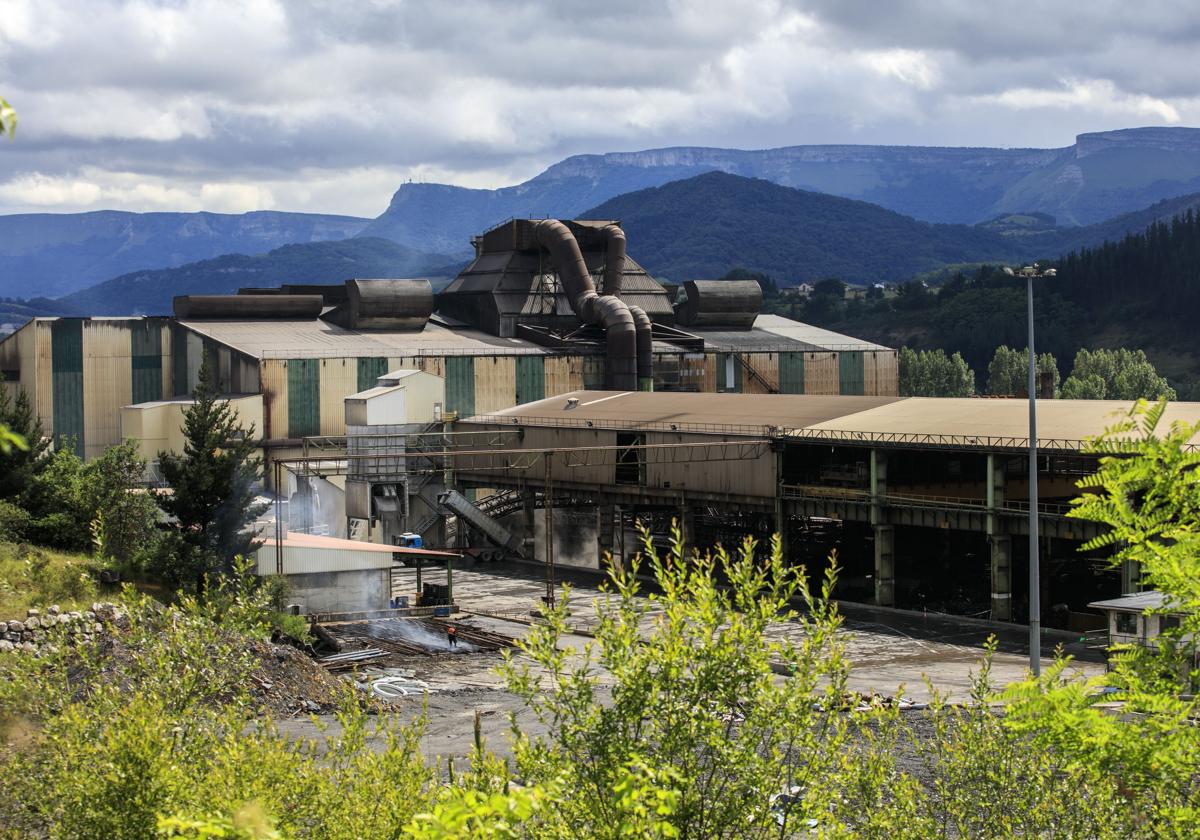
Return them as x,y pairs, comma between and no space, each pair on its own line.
268,339
959,423
746,413
779,334
1136,602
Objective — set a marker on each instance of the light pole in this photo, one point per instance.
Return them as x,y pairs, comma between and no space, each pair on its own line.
1029,272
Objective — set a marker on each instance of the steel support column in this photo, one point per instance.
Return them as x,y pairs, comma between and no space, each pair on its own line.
1000,543
885,535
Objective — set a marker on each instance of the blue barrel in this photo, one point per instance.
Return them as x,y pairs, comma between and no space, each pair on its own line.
441,612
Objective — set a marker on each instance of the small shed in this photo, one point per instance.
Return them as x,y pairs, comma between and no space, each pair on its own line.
332,575
1138,618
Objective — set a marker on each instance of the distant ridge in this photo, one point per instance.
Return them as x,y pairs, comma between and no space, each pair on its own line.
703,226
58,253
1100,176
150,292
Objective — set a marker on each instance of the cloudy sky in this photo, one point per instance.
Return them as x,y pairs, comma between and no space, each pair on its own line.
329,105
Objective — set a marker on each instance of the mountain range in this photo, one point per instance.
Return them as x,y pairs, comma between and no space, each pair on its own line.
54,254
1100,176
705,225
150,292
910,208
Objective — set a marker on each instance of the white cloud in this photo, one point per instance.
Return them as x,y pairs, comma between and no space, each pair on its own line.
328,106
1093,94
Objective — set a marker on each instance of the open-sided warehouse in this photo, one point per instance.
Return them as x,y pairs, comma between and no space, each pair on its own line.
916,494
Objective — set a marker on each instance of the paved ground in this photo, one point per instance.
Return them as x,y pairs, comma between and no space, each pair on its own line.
888,649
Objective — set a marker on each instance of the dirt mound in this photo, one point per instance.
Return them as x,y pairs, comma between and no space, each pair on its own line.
288,681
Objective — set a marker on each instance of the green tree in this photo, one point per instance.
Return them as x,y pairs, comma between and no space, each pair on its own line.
931,373
697,696
1115,375
125,523
19,463
212,489
1008,372
1147,491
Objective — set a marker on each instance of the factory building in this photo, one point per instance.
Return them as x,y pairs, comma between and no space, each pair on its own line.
545,308
923,499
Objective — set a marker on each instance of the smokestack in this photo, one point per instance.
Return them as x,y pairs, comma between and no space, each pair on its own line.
608,312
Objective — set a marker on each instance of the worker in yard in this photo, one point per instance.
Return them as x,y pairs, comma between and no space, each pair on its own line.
452,635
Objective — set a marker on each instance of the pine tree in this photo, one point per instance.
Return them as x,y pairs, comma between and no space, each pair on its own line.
18,464
212,499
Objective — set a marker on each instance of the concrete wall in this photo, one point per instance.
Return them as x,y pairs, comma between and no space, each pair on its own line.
353,591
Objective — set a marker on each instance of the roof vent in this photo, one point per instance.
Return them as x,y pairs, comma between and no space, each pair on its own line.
572,402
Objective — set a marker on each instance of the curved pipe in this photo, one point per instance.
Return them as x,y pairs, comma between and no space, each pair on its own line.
608,312
614,259
645,348
614,273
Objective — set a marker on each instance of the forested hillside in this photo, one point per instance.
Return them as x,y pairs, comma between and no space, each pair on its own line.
1142,291
706,225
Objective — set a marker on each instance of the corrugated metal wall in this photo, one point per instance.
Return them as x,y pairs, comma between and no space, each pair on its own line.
851,373
370,368
531,379
179,365
495,383
791,373
107,383
194,348
765,365
593,373
338,379
146,352
66,335
821,373
887,373
460,385
273,378
304,397
43,341
563,374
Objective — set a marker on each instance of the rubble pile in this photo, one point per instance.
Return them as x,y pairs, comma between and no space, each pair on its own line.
288,681
38,629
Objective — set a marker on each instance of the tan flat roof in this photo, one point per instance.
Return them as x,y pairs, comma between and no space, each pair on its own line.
271,339
750,413
983,423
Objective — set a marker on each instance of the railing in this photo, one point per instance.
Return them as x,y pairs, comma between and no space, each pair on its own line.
802,491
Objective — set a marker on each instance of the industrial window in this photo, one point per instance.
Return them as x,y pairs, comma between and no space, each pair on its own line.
1127,624
631,464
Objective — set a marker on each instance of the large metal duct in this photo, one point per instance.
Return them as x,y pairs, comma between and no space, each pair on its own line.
608,312
720,303
388,304
614,271
248,306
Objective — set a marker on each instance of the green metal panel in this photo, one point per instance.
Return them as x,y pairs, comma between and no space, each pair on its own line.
66,368
145,348
179,363
370,368
460,385
593,373
791,373
304,397
531,379
724,381
850,372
